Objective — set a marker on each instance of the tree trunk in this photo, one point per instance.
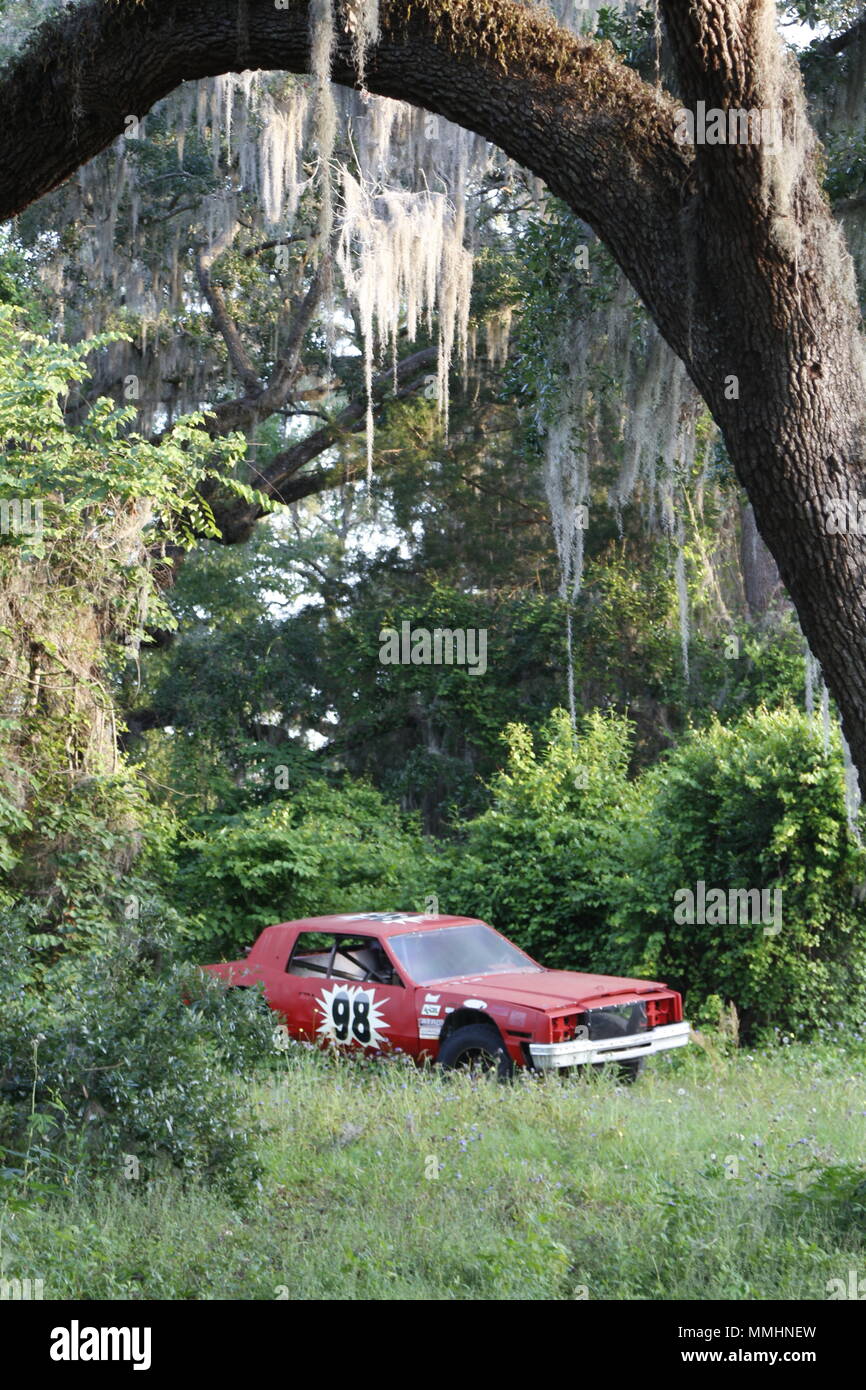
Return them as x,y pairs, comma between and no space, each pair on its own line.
732,248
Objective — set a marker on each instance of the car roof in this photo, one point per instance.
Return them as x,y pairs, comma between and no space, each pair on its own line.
378,923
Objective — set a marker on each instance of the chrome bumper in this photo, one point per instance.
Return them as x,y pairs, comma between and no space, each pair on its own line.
550,1056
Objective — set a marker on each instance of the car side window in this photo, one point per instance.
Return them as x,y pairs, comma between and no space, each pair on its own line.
341,956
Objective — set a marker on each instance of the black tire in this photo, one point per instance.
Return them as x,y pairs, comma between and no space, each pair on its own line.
476,1046
627,1073
630,1071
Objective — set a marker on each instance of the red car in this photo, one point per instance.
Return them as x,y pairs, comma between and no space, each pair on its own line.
454,990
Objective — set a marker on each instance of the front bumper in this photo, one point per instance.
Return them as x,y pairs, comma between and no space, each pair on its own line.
550,1056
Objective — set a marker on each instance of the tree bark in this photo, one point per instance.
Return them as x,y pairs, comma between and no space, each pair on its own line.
732,248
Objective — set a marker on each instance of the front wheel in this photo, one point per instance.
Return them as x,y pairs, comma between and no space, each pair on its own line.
476,1048
630,1071
627,1073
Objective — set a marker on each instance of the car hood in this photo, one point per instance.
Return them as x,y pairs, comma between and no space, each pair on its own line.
549,989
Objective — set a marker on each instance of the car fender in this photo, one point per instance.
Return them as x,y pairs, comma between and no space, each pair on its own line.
461,1017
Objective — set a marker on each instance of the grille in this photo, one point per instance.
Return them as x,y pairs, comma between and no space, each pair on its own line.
616,1020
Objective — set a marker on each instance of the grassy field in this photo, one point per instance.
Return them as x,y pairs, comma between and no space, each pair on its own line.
713,1177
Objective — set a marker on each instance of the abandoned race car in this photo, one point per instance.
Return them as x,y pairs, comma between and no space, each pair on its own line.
453,990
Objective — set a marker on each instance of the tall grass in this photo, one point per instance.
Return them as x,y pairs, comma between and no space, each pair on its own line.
715,1177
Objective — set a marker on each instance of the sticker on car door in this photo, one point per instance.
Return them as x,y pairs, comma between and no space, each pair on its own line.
351,1014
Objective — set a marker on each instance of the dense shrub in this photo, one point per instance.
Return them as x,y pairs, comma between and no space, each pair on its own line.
327,849
103,1062
756,805
583,868
533,865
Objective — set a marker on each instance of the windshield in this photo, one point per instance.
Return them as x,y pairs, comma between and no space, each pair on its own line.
471,950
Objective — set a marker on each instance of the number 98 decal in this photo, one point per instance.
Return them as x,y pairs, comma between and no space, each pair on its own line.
351,1014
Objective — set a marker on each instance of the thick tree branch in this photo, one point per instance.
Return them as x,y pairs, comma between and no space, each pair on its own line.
270,245
283,479
839,42
223,321
260,401
286,371
562,106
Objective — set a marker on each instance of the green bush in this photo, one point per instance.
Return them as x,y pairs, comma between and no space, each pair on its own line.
105,1058
756,805
533,864
582,867
328,849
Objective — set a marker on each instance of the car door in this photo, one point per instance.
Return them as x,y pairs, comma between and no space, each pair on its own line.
342,989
